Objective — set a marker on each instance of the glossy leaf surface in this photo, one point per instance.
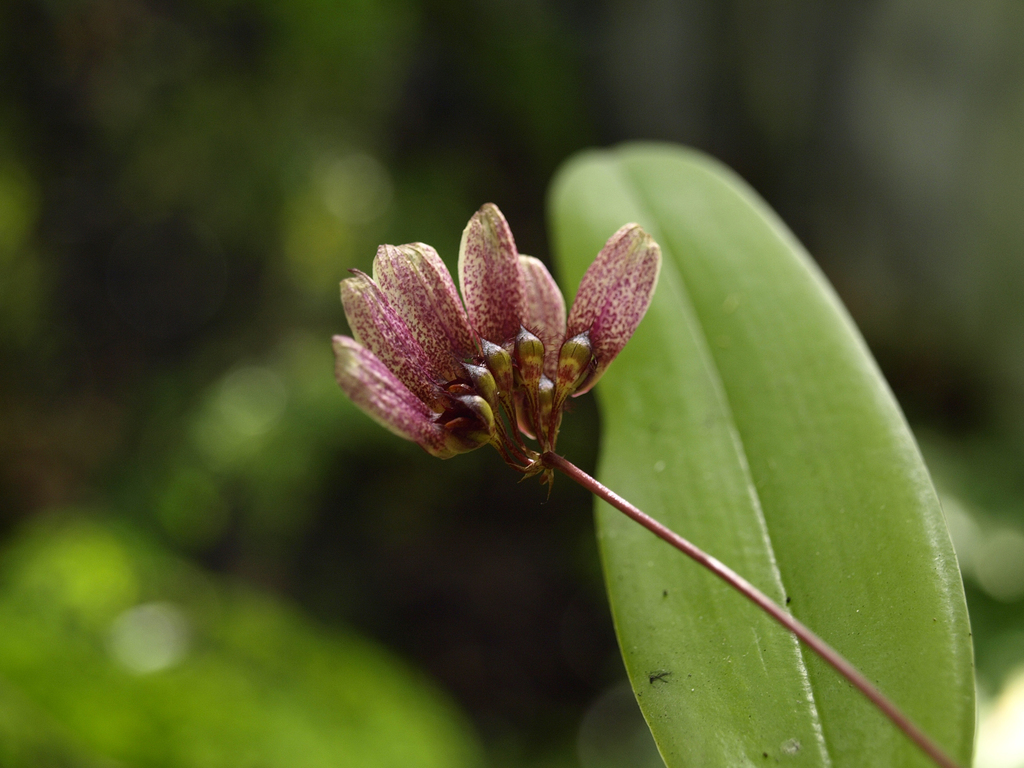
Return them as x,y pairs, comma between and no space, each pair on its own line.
748,415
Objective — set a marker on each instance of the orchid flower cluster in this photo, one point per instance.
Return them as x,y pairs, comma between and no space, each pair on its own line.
455,377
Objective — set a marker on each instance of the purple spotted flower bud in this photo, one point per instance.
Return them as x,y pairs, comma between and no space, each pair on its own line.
499,362
490,276
576,363
483,382
529,359
614,295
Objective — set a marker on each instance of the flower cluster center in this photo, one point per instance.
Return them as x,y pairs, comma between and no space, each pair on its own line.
454,374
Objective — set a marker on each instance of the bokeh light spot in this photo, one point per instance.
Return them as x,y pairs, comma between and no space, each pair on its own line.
356,188
240,412
149,637
1001,727
86,571
613,733
1000,564
252,400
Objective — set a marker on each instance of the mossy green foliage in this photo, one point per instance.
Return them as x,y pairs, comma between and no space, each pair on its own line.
113,650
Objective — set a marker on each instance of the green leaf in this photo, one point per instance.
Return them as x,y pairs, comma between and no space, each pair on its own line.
748,415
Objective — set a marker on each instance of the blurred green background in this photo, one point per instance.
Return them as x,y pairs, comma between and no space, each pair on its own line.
210,558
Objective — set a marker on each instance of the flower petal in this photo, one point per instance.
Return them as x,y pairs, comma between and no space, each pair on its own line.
614,295
377,326
385,399
417,284
544,311
492,283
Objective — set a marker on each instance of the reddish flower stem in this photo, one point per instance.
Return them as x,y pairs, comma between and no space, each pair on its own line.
756,596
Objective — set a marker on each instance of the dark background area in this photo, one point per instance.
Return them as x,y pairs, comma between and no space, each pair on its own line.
182,185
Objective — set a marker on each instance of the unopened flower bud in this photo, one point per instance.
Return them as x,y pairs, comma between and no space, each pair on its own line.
499,362
464,434
477,406
472,425
484,384
574,363
530,357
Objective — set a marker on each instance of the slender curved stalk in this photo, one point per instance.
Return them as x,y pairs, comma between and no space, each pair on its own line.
756,596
